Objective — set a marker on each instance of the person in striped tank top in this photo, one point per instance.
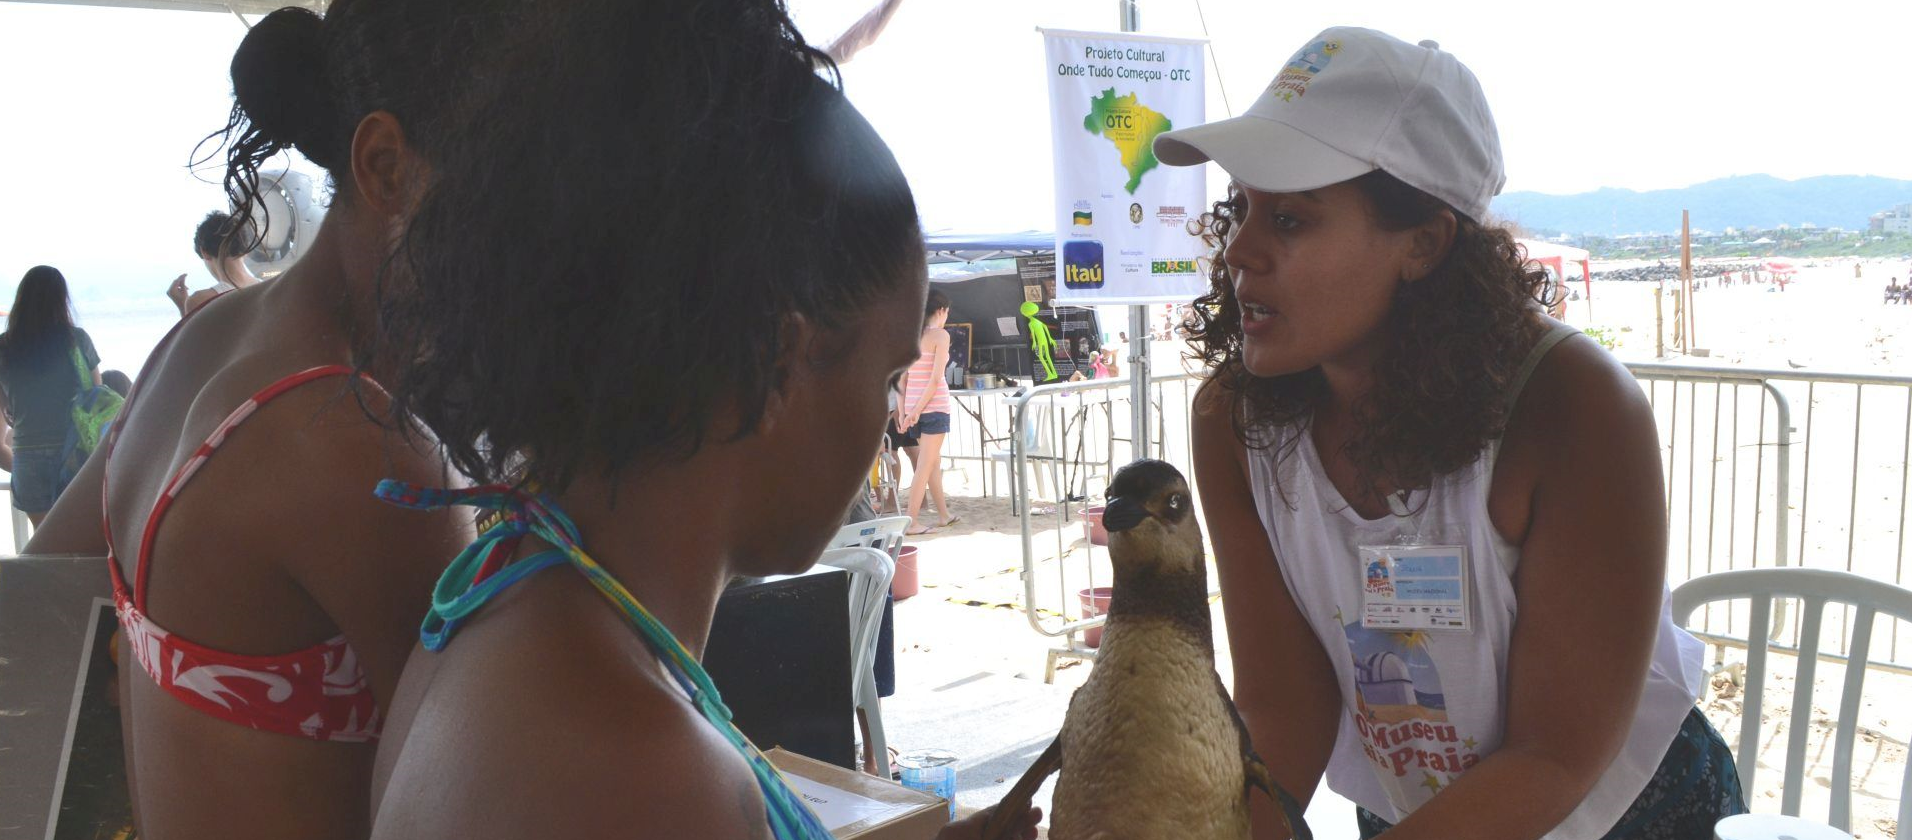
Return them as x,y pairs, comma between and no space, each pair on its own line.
923,414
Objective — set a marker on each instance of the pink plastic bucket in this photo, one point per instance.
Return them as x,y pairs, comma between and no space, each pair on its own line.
905,583
1094,602
1098,535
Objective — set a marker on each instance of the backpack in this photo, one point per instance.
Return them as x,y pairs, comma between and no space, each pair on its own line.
94,407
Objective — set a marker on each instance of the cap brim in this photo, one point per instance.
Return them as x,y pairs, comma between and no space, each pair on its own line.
1261,154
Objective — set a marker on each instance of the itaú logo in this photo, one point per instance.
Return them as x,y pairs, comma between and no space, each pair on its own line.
1082,264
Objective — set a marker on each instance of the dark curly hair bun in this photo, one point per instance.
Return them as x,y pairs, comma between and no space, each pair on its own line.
279,82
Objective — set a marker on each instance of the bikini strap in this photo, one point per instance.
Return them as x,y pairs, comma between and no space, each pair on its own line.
465,587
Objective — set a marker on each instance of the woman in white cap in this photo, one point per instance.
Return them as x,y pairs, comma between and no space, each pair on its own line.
1436,511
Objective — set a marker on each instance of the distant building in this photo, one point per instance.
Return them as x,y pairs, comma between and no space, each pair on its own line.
1895,220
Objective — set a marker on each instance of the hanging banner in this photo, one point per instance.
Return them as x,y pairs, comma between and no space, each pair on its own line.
1121,216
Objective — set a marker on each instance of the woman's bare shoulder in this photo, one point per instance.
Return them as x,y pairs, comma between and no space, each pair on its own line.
540,725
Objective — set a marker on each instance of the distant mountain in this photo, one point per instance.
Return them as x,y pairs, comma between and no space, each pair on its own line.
1743,201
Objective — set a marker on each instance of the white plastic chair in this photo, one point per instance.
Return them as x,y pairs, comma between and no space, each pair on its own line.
1814,588
1039,447
885,535
870,572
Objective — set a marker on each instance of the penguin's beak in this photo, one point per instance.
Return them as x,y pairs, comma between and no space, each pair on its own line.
1123,513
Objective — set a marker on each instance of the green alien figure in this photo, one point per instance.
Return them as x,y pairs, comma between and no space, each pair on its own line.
1041,342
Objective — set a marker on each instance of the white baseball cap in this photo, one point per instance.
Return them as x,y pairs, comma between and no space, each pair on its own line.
1350,102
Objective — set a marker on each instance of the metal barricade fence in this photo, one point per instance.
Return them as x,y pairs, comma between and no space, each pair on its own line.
1081,431
1762,468
1771,468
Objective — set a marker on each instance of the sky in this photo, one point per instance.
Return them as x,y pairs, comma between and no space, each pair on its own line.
100,108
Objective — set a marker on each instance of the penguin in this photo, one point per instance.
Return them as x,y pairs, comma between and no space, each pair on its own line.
1151,746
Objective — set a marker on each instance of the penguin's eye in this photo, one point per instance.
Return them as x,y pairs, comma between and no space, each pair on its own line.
1175,501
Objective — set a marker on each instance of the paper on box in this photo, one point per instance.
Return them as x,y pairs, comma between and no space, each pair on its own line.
858,806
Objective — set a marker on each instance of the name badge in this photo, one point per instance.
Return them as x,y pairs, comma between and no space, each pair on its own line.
1415,587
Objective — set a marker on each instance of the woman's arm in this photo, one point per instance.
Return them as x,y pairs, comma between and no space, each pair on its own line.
1592,570
1285,687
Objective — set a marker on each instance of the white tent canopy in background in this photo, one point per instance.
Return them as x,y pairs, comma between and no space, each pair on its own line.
1558,257
249,7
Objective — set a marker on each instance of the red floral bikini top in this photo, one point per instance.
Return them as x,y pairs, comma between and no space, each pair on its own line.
318,693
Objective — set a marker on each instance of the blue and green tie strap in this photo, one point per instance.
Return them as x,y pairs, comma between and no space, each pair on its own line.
461,592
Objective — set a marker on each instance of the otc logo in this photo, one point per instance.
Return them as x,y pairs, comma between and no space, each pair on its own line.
1302,68
1082,264
1172,267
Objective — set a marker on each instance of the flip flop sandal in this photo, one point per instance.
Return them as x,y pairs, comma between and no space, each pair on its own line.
921,530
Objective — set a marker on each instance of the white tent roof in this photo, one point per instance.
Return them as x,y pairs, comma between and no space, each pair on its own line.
250,7
1538,250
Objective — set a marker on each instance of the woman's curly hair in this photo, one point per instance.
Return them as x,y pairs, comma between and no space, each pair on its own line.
1456,339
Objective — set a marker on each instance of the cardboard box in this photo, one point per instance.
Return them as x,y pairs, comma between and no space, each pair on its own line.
859,806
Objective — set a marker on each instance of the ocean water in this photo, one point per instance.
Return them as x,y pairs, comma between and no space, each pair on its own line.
125,328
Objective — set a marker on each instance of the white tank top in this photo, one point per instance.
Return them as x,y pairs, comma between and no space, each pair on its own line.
1420,709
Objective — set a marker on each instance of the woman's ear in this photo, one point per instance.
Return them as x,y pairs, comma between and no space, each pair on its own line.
1428,244
795,363
386,173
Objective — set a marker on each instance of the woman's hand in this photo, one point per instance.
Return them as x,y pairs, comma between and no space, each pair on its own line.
971,827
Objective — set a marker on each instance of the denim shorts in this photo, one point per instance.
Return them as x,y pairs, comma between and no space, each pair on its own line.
36,477
933,423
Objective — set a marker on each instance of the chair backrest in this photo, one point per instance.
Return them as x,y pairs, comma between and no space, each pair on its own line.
885,535
870,573
1038,432
1814,588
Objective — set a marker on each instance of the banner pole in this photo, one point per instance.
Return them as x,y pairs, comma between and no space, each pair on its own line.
1138,313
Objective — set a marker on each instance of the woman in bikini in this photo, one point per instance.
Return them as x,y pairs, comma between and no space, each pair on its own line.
267,599
662,352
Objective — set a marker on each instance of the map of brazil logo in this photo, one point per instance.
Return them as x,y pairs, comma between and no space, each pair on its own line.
1131,127
1082,264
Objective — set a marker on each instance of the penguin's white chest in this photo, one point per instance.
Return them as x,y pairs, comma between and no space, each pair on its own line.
1150,749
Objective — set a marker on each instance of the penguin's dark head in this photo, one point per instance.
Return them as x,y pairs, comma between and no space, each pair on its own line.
1150,517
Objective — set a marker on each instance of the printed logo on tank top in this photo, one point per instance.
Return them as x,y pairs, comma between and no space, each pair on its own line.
1401,713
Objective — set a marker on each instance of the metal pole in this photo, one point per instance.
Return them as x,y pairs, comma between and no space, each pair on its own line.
1138,315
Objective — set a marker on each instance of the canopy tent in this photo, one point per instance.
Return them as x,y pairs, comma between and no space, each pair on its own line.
1778,266
955,247
247,7
1558,257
